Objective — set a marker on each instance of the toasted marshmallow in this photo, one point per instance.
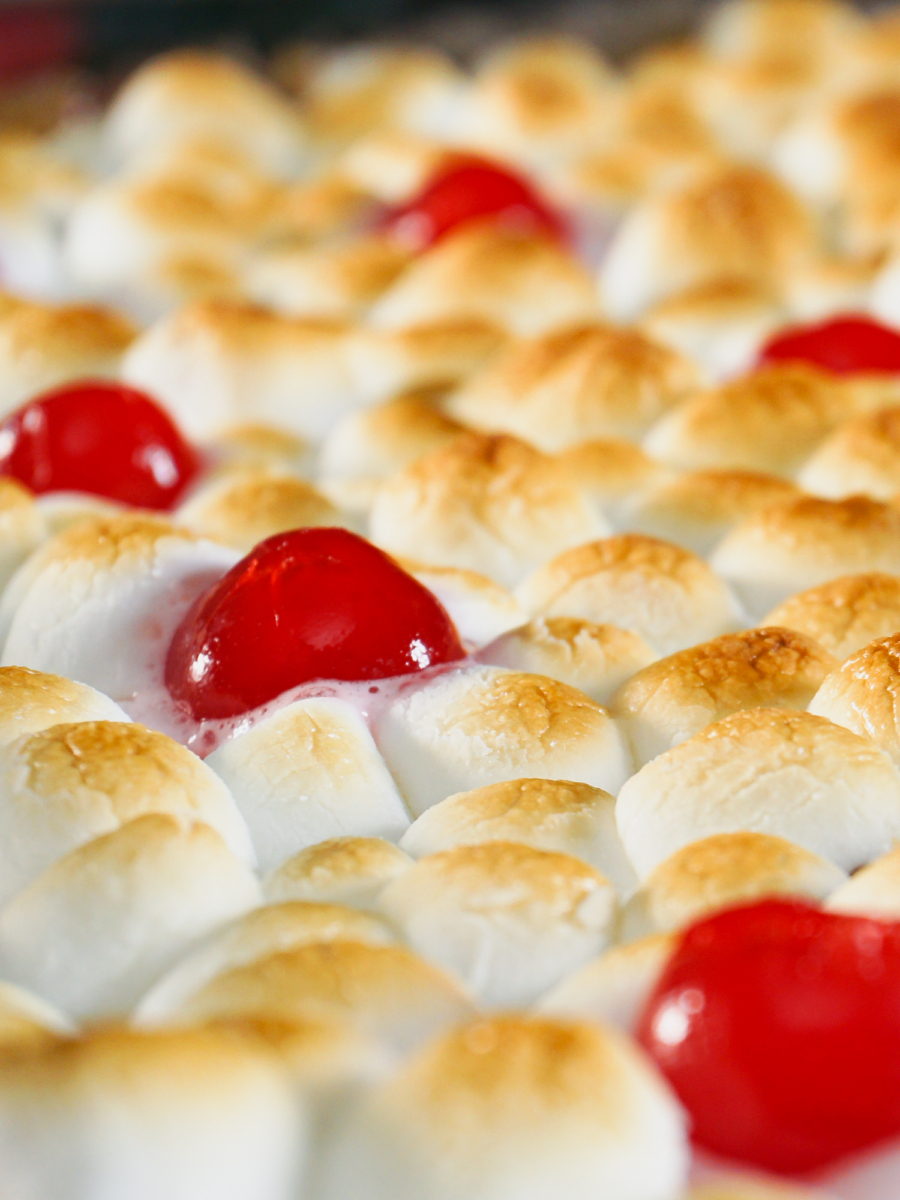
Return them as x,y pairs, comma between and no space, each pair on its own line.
506,919
664,594
367,446
546,814
802,28
215,365
96,928
32,701
751,1187
259,445
861,457
596,659
28,1023
522,282
724,870
576,384
728,220
98,601
608,470
306,773
862,692
770,421
872,892
614,988
480,725
805,542
845,614
768,770
516,1106
835,284
671,700
245,505
489,504
23,527
347,870
322,205
480,609
190,93
391,164
697,508
144,1115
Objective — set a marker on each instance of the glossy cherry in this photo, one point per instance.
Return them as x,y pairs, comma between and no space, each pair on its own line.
841,345
468,189
778,1025
305,605
98,437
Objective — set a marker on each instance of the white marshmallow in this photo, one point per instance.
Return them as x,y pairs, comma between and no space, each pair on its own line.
23,526
861,694
350,871
873,891
480,609
31,701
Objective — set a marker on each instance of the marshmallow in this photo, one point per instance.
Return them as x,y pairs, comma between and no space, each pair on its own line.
671,700
31,701
575,384
259,445
516,1106
99,601
547,814
608,470
480,609
59,510
489,504
655,589
802,29
217,364
392,164
348,871
726,220
182,1114
614,988
309,772
806,542
97,927
595,659
721,871
28,1021
322,205
835,284
862,693
506,919
23,527
860,457
769,421
697,508
872,892
767,770
752,1187
845,614
521,281
476,726
72,783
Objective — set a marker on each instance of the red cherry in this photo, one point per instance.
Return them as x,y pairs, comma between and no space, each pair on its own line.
841,345
309,604
778,1025
102,438
470,189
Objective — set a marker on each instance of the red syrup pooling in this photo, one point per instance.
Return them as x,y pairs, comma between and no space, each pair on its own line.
312,604
470,189
102,438
842,345
778,1025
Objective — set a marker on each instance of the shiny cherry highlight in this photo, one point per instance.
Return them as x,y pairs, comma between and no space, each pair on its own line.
98,437
842,345
778,1025
306,605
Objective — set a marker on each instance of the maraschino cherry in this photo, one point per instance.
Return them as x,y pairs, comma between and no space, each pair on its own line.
778,1025
98,437
469,189
842,345
305,605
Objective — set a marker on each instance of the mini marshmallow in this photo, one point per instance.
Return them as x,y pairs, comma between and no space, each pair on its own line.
506,919
697,508
575,384
595,659
480,609
516,1106
862,694
671,700
806,542
255,444
321,205
481,725
32,701
803,29
348,871
614,988
547,814
860,457
22,527
608,470
72,783
101,924
664,594
845,614
391,164
489,504
217,364
99,601
872,892
775,771
721,871
182,1114
769,421
309,772
521,281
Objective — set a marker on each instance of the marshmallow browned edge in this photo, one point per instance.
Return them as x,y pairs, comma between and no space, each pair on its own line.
609,470
32,701
511,1106
349,871
862,694
752,1187
844,614
674,698
480,609
873,891
23,526
767,770
860,457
